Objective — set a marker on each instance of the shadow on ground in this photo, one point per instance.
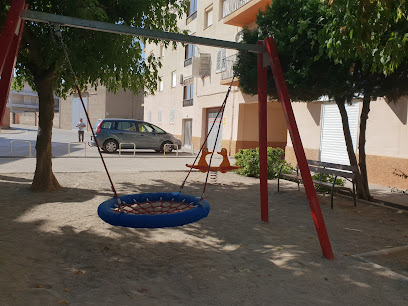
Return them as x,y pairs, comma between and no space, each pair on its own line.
56,249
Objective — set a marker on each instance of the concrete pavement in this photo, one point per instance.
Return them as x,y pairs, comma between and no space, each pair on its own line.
143,161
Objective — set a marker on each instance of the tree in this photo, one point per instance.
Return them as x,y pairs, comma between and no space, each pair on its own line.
97,58
373,35
301,29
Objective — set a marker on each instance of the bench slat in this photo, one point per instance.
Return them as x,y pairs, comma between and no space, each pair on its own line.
331,165
331,171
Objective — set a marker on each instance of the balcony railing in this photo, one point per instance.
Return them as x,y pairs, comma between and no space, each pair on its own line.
191,17
188,102
228,67
230,6
188,62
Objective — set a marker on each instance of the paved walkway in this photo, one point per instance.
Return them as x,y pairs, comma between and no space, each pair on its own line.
143,161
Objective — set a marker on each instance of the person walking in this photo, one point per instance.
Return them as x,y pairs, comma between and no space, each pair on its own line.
81,128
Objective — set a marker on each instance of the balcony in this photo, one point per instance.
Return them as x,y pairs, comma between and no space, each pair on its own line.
242,12
228,71
187,102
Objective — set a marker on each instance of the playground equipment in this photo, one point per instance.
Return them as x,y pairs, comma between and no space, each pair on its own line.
267,54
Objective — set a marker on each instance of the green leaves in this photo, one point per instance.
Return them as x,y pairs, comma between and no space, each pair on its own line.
248,159
97,58
373,25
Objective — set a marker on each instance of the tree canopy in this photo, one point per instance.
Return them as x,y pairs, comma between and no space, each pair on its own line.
115,61
112,60
339,48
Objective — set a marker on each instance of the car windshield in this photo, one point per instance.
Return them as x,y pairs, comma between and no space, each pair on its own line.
158,130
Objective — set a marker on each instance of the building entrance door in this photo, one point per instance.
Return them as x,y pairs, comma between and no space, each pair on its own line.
188,131
211,119
78,111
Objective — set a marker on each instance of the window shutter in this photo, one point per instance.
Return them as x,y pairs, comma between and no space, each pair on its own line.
218,63
224,60
172,115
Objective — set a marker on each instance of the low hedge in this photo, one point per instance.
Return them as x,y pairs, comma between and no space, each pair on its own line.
248,159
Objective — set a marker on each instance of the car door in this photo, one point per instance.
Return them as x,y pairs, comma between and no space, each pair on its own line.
126,133
147,138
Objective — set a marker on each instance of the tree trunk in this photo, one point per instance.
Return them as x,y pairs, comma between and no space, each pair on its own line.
349,144
365,191
44,179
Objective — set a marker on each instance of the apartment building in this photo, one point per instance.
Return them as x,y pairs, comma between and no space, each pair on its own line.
23,107
100,103
195,79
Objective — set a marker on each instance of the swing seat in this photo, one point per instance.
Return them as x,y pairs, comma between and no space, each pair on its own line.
154,210
214,169
224,167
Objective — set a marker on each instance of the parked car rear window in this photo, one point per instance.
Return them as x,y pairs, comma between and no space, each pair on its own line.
126,126
107,125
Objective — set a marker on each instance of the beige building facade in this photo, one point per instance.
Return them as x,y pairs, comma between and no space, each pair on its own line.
100,104
195,80
23,107
386,137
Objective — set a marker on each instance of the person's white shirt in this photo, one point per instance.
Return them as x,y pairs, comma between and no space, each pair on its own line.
81,126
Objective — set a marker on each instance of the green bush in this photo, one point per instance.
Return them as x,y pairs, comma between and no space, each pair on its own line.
248,159
327,178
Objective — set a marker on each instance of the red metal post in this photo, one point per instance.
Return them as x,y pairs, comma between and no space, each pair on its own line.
7,74
9,30
263,137
298,147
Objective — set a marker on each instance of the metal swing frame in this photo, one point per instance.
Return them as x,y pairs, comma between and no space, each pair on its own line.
10,38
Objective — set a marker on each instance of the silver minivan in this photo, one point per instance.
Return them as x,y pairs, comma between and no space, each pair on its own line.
112,132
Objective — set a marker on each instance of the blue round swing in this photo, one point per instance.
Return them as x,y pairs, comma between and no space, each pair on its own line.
153,210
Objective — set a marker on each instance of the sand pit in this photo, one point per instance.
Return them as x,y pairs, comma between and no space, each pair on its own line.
55,249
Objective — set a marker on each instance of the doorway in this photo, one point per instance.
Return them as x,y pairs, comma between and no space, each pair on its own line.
211,119
78,111
188,131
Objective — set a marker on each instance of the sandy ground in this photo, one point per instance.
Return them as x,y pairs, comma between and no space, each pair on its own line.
56,250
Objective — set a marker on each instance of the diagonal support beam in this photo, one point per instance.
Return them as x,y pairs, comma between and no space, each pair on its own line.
298,147
9,30
9,58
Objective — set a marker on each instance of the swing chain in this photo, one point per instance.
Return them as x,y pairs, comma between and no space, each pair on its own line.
56,31
221,111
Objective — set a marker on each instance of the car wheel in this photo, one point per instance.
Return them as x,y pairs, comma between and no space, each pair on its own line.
168,148
110,146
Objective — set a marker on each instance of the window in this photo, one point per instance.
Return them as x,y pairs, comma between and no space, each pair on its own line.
221,63
159,116
127,126
161,85
173,79
192,7
144,127
192,11
107,125
149,116
172,111
208,17
157,129
189,52
161,51
188,95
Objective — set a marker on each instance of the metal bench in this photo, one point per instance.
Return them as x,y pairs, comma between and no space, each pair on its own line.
336,170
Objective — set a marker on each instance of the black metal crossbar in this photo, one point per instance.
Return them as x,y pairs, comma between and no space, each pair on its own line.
139,32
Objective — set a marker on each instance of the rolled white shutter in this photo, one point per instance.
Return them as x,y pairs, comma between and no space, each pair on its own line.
332,145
